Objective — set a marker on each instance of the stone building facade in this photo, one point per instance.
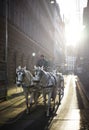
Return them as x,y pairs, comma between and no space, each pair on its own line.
83,53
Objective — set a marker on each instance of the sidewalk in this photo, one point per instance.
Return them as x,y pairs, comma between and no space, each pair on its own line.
84,85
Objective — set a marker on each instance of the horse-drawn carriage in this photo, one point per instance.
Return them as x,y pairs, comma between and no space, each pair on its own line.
42,83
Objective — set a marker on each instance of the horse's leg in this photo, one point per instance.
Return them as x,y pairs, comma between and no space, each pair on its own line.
26,97
36,96
44,97
62,88
49,103
59,93
31,98
59,98
54,96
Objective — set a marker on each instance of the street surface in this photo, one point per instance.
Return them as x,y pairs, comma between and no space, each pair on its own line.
72,113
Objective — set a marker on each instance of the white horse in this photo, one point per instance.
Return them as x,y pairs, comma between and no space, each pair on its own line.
50,83
25,79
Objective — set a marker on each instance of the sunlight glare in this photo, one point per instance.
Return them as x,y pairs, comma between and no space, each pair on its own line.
72,16
73,33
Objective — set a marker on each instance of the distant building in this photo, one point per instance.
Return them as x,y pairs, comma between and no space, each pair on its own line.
70,63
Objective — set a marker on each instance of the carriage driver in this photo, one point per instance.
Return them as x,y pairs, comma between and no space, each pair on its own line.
42,62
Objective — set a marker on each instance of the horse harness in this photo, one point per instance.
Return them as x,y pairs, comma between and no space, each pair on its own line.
49,78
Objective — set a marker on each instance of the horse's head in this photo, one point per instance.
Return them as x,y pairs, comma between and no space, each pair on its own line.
20,73
38,72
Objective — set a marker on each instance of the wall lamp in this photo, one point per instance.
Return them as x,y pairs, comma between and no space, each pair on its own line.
52,1
33,54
